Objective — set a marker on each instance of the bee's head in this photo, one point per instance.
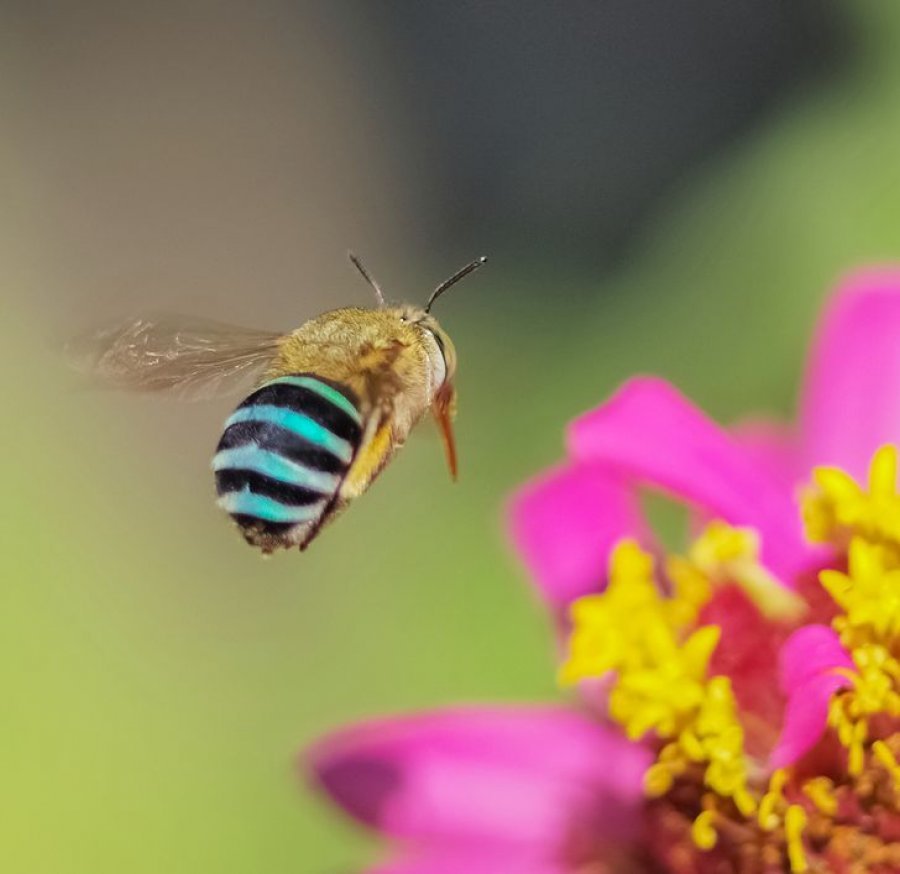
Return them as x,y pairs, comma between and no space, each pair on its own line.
440,352
439,348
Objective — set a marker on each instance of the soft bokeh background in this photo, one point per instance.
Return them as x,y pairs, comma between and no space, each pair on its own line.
662,187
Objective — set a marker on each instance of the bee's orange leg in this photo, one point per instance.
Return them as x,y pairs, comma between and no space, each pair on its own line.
443,408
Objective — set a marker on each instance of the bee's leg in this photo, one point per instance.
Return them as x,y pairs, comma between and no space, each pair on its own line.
442,409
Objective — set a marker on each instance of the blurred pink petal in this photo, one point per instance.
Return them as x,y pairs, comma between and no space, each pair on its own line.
807,665
851,407
565,522
805,718
515,777
807,652
774,447
477,862
651,433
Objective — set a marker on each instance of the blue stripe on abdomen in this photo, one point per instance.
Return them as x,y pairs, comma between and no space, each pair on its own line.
246,503
297,423
324,390
251,456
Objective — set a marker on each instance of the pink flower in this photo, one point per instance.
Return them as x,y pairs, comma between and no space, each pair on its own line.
687,651
648,434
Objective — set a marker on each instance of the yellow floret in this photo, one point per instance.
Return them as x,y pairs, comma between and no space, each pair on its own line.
838,509
794,824
661,681
820,790
703,830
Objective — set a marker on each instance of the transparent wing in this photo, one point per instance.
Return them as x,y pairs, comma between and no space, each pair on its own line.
192,358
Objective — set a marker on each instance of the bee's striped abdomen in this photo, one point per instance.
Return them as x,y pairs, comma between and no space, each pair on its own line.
283,455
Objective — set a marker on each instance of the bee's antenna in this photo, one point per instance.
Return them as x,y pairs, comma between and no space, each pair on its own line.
447,283
379,296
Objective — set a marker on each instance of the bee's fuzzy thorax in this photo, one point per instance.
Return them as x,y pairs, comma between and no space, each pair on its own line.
347,344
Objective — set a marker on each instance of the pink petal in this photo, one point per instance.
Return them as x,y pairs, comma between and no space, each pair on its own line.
774,447
852,401
564,524
474,862
513,777
810,651
805,718
807,665
652,434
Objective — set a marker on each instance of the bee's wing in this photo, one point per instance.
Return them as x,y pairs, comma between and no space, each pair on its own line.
192,358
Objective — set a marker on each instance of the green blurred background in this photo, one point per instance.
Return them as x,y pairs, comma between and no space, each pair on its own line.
158,677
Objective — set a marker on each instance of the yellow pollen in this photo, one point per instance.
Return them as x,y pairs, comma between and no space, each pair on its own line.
863,522
658,779
661,681
723,554
769,815
703,830
868,594
837,508
884,755
873,692
617,628
794,824
820,790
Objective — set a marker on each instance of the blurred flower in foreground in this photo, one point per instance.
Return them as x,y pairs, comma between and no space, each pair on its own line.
738,705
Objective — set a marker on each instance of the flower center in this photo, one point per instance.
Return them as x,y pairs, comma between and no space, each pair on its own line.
710,803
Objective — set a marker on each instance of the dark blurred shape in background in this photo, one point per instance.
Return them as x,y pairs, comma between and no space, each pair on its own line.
187,155
560,125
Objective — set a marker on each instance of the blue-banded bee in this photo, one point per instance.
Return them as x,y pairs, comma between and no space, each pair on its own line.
334,400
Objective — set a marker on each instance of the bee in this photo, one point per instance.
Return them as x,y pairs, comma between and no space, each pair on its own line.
333,401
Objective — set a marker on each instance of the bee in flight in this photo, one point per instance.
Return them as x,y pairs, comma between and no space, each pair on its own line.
334,400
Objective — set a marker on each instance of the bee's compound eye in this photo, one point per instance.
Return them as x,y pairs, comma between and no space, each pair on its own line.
439,370
437,360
